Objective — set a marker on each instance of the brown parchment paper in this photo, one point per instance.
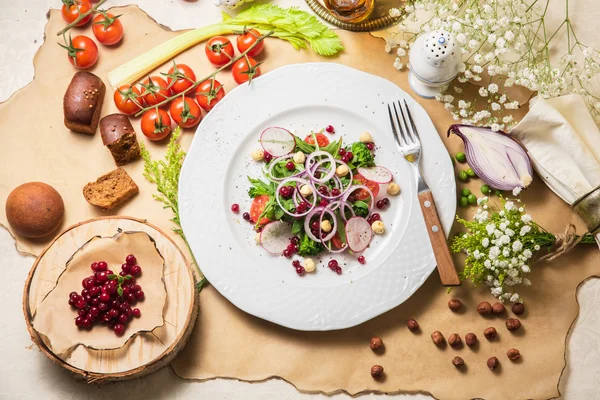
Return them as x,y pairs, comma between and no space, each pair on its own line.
229,343
55,321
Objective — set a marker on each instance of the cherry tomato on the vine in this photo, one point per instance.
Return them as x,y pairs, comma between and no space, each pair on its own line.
185,112
71,10
209,93
82,51
128,99
154,90
179,78
107,28
245,70
247,39
219,50
156,124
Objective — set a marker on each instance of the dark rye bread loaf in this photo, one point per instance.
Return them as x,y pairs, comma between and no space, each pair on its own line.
110,190
120,138
82,103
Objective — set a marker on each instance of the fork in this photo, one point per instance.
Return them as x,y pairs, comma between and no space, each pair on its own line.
410,147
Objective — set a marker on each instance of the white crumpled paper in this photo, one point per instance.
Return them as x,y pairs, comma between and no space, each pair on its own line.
563,142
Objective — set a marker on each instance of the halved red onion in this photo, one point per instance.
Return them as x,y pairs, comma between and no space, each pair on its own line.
376,174
275,236
277,141
497,158
358,234
301,181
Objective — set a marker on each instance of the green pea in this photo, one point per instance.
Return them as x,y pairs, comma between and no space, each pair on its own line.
464,201
485,189
460,157
471,173
462,176
472,199
465,192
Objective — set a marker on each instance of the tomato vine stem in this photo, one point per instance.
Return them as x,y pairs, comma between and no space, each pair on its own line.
81,16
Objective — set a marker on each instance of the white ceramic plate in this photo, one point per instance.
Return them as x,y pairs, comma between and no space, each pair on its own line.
305,97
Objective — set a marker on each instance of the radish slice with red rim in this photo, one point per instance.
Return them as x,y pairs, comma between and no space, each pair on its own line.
275,236
376,174
358,234
277,141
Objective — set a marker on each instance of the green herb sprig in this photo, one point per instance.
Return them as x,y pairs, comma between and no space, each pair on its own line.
120,280
165,174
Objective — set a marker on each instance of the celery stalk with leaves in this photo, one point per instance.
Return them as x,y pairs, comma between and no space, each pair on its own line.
298,27
165,175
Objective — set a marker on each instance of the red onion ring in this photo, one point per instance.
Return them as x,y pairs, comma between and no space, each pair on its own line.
297,180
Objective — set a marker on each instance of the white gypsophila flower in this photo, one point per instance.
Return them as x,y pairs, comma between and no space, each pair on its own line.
494,252
476,78
521,209
400,52
501,42
516,191
524,230
505,239
477,69
526,282
461,38
507,295
496,106
527,253
496,292
463,104
473,44
509,35
507,119
509,232
398,65
487,264
457,89
493,88
483,92
502,99
482,200
509,205
526,218
388,48
517,246
490,228
489,278
506,252
495,127
513,273
536,247
485,206
485,242
514,298
394,13
502,226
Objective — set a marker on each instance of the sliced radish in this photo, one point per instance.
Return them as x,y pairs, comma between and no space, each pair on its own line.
358,234
376,174
277,141
275,236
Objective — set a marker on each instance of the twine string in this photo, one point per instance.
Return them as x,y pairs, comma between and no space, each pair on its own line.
564,242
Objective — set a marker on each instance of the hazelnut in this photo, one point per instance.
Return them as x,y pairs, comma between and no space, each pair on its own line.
513,354
454,340
518,308
490,333
376,371
471,339
458,362
376,343
484,308
493,362
413,325
513,324
455,304
438,338
498,308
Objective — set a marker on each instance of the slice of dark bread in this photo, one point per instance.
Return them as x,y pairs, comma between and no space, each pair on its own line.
110,190
82,102
120,138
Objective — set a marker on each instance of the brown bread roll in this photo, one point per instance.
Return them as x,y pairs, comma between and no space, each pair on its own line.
82,103
34,209
120,138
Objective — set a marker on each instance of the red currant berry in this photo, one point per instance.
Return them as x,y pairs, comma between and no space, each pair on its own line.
79,321
342,152
95,301
294,240
87,323
375,217
267,157
88,283
386,201
123,318
136,270
246,216
315,225
324,203
104,297
71,302
102,266
235,208
95,291
94,266
137,288
361,259
102,306
332,264
80,303
130,259
371,146
338,270
136,312
287,253
290,166
295,263
300,270
119,329
102,276
131,298
114,313
329,129
125,267
380,205
139,295
335,192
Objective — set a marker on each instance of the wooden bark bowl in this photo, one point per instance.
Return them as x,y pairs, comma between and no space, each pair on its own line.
146,352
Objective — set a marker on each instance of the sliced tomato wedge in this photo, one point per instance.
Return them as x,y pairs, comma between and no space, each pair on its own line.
257,207
362,194
336,241
321,139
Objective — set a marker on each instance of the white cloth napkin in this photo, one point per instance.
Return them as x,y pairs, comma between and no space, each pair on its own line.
563,142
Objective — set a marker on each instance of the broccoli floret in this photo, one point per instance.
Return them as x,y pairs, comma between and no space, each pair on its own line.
362,155
309,247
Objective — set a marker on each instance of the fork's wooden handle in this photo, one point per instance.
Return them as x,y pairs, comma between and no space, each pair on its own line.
445,266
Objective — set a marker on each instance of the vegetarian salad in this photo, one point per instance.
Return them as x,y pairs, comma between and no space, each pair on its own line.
316,196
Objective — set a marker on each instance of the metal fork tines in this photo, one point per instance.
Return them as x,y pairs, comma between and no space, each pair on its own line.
407,139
